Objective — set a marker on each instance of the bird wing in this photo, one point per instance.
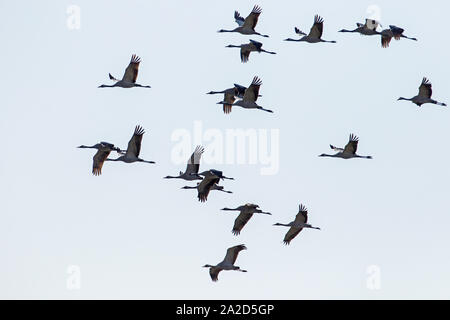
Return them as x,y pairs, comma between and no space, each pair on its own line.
291,234
238,18
425,89
131,72
233,252
194,161
229,98
300,218
205,186
134,145
396,31
299,32
99,159
239,90
317,28
302,215
386,37
245,53
240,222
252,92
252,18
336,148
352,144
214,273
257,44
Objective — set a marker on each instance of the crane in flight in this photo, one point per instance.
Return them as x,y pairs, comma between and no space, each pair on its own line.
227,263
129,77
297,225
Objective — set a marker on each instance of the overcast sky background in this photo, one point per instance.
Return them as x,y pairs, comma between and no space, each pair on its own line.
135,235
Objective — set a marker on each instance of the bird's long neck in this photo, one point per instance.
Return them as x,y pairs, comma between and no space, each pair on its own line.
407,99
229,209
262,212
216,92
223,30
232,46
262,35
86,147
328,155
290,39
189,187
351,31
282,224
172,177
107,86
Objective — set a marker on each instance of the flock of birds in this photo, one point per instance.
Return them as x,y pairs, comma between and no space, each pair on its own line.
246,97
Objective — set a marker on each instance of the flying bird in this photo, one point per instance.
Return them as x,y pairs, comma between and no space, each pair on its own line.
245,213
230,95
369,28
247,25
192,167
129,77
214,172
315,34
424,96
103,151
134,148
297,225
392,32
251,94
227,263
348,152
209,182
252,46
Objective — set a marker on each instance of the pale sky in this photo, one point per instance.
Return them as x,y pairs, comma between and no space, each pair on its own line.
134,235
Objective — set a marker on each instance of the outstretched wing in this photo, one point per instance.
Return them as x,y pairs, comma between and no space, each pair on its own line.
252,18
214,273
134,145
317,28
194,161
98,160
238,18
299,32
425,89
396,31
336,148
205,186
386,37
229,98
300,218
131,72
245,53
233,252
239,90
352,144
240,222
252,92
